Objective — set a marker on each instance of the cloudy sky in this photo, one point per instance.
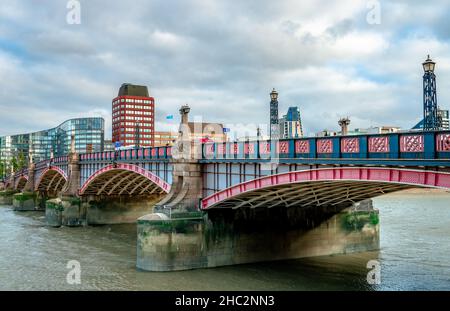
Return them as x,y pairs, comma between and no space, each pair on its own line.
222,58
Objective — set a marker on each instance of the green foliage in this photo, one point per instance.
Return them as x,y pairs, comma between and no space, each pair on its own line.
355,221
75,201
21,161
13,163
7,193
2,169
22,197
55,206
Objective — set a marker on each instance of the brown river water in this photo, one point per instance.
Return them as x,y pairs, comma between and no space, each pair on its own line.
414,255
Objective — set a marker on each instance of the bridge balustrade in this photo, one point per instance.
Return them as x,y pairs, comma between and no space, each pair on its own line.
128,155
399,146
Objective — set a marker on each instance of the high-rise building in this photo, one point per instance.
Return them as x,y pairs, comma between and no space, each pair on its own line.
165,138
291,124
207,132
443,117
133,116
108,145
274,122
88,132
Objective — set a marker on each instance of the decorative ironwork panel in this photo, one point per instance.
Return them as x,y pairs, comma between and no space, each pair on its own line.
221,149
443,143
283,147
379,144
412,143
302,146
324,146
249,148
235,149
210,149
264,147
350,145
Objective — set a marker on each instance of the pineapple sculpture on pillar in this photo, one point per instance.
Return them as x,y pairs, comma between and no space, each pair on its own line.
71,187
186,190
11,179
29,186
67,210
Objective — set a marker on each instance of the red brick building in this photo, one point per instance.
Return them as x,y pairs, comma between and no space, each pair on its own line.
133,116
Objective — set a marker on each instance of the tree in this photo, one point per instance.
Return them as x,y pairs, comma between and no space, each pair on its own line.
14,164
21,161
2,169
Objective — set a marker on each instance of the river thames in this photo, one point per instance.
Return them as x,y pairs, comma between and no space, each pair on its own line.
414,255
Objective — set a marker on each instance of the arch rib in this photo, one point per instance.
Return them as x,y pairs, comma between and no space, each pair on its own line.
156,180
405,177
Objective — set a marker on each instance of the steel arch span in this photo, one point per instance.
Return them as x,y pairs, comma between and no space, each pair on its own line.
21,182
52,179
321,187
124,179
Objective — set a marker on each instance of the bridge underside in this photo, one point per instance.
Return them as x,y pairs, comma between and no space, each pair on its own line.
338,194
21,184
52,182
122,182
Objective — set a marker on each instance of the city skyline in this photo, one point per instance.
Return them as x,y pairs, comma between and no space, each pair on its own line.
326,58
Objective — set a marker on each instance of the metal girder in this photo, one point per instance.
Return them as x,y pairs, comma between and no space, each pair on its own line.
319,193
117,185
139,185
110,181
384,191
348,191
59,182
304,190
147,187
51,181
131,182
258,197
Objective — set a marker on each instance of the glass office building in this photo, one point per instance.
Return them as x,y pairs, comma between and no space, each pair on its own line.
89,137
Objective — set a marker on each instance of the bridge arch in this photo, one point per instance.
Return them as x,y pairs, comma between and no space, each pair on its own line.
21,182
52,180
124,179
324,187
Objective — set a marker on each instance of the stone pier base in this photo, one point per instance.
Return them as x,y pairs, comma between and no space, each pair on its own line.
73,212
192,241
110,211
23,202
6,197
65,211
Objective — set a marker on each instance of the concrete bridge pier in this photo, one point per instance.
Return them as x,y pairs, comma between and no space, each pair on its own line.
67,210
27,200
6,196
224,237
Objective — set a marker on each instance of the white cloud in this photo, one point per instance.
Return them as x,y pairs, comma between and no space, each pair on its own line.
222,58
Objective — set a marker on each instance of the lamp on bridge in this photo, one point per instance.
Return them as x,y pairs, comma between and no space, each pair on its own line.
274,95
431,120
429,65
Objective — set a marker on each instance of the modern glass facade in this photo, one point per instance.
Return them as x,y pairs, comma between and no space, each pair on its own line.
291,124
89,137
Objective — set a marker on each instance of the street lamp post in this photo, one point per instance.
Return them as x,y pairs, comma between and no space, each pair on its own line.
274,122
430,108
